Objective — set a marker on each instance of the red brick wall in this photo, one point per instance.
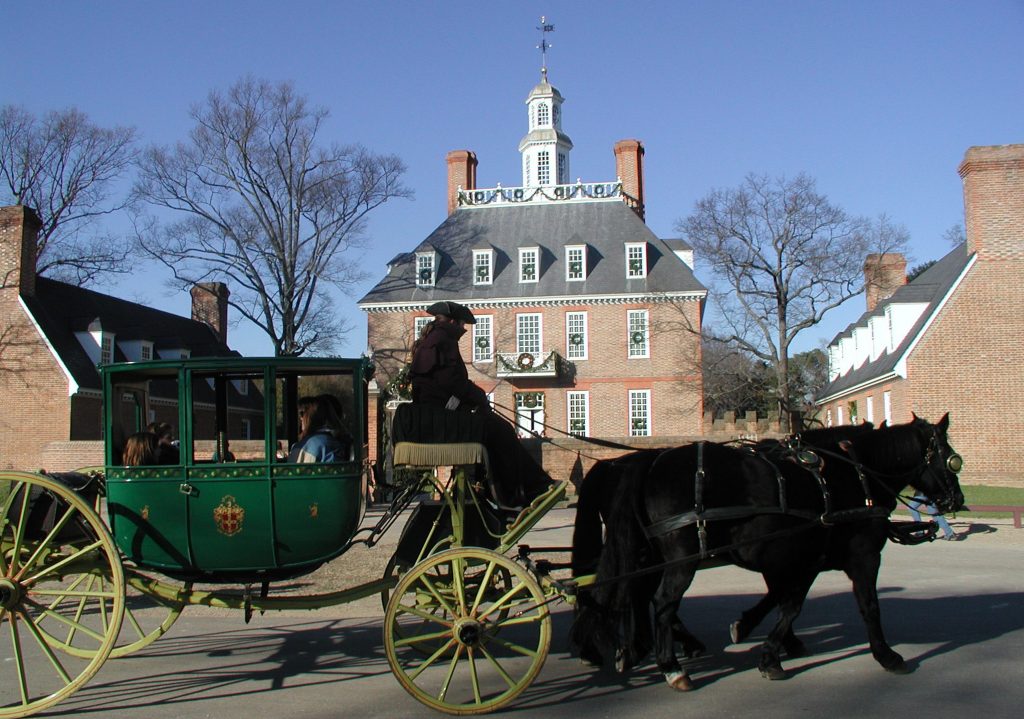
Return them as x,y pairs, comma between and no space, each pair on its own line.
671,373
461,173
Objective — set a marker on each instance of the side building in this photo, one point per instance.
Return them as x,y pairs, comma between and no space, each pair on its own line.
948,340
53,335
587,323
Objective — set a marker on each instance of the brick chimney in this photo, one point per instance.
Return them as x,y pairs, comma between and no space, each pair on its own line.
210,306
629,167
19,227
993,178
883,275
461,173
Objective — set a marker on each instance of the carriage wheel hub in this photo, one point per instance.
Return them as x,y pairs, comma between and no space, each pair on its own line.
469,632
10,593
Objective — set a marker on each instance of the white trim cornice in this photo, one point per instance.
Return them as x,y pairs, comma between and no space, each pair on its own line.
73,387
552,301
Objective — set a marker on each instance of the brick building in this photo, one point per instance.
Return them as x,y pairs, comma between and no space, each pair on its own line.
52,337
586,321
949,340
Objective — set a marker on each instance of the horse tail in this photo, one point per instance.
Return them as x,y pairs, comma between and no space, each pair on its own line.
588,530
612,619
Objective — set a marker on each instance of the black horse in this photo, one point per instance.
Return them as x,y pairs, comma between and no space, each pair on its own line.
782,513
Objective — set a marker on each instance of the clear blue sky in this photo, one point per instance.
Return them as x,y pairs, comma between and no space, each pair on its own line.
876,100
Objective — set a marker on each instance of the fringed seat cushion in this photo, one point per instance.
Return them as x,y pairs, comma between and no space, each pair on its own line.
419,454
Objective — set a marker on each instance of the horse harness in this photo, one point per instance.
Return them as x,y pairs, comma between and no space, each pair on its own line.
792,450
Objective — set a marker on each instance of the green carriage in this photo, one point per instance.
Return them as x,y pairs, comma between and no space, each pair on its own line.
100,563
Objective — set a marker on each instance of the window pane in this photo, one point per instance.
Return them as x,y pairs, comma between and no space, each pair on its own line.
576,335
637,328
579,413
483,341
640,413
528,334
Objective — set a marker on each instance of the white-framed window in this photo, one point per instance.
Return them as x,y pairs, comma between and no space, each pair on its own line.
483,263
575,263
544,167
146,351
242,385
578,411
887,406
425,269
576,335
839,415
869,409
554,114
639,413
528,333
417,326
529,261
543,114
106,348
483,339
563,169
636,260
637,334
530,414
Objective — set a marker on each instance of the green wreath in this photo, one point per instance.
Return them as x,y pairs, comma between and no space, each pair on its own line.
525,361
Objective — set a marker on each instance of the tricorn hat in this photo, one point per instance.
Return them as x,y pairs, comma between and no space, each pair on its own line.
453,310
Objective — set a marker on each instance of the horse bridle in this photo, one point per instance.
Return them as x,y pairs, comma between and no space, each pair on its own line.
951,464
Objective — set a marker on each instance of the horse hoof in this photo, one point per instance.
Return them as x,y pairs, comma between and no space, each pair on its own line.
774,673
734,633
679,681
900,668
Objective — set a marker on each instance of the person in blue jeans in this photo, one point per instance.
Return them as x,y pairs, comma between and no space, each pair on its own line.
921,502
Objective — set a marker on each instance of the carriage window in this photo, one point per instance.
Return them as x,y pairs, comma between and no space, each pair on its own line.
228,424
138,403
291,388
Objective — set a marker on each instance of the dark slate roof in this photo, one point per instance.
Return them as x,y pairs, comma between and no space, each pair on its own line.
603,227
931,286
62,309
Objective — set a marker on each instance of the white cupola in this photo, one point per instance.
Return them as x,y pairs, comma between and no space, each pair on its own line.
545,148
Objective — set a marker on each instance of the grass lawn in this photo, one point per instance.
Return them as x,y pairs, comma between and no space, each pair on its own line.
984,494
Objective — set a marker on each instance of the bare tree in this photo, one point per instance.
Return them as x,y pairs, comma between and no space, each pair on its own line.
66,169
267,210
781,256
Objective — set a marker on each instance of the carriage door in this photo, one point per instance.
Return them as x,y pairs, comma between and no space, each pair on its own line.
228,487
530,414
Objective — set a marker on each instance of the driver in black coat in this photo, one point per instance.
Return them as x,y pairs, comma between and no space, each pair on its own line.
439,378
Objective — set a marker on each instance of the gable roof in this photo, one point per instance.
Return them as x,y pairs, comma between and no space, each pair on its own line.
60,310
932,287
603,227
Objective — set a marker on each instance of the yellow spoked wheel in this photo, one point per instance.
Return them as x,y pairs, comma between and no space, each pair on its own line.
150,609
466,631
51,544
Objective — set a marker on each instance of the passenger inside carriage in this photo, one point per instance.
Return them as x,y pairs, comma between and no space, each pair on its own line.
141,448
322,437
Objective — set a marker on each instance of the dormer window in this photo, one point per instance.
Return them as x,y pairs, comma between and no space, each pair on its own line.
426,269
146,351
575,263
528,264
106,348
636,260
483,263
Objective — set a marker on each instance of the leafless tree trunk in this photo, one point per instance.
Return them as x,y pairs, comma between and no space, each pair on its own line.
65,168
781,256
266,209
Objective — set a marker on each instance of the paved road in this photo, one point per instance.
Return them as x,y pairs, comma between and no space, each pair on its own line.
955,610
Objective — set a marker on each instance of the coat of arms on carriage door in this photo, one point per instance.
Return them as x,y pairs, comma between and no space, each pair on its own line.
228,515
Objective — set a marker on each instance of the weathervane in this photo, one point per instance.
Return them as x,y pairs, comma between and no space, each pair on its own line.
544,28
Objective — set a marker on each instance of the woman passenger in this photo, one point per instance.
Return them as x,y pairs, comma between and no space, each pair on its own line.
321,435
141,448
